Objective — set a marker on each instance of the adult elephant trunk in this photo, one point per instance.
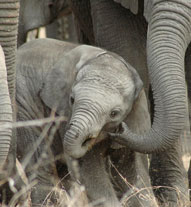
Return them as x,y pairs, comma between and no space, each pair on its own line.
83,128
9,12
169,34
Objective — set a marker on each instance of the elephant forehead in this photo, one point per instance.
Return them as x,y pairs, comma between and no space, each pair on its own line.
104,86
94,86
109,76
104,99
94,89
100,93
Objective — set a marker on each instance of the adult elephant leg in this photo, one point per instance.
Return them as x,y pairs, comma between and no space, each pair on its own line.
83,21
167,171
120,31
9,12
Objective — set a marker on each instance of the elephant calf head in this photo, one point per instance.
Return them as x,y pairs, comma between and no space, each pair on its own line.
98,86
102,94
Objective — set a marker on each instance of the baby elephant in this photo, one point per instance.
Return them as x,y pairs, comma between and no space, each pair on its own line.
95,91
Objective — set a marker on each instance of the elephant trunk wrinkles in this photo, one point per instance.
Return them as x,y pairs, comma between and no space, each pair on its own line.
80,129
168,37
71,147
9,12
5,112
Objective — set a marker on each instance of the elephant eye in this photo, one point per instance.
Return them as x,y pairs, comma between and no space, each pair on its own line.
114,113
72,100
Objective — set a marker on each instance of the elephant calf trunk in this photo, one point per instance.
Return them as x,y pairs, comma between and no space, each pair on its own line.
76,143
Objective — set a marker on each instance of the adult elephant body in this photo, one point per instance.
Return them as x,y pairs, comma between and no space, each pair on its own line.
83,84
119,26
37,13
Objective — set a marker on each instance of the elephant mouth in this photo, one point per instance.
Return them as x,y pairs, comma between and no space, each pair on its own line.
114,143
119,129
92,140
89,142
81,148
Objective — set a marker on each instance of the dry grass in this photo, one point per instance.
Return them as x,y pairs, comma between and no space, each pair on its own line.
76,197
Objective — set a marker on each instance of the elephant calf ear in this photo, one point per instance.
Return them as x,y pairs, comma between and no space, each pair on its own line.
129,4
83,54
136,78
138,120
56,89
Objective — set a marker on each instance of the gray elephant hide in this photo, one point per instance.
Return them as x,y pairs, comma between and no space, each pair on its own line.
46,71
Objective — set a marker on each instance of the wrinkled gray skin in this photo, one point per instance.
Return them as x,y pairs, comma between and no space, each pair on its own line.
9,17
37,13
121,26
5,133
8,35
7,110
84,84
